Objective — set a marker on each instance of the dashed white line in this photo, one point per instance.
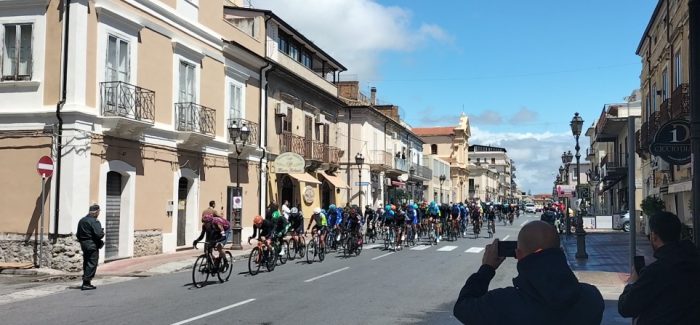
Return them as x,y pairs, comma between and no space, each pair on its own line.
474,250
327,274
380,256
524,223
420,248
372,246
506,237
447,248
213,312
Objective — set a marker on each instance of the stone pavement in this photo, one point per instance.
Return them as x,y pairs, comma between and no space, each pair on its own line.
607,266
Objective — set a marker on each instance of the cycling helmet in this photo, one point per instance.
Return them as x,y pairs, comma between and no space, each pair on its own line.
257,220
331,207
317,210
294,210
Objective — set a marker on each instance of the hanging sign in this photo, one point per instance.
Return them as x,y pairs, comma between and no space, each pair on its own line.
289,163
672,142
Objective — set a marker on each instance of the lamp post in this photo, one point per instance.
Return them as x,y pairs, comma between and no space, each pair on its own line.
238,132
576,125
359,160
566,160
442,180
412,189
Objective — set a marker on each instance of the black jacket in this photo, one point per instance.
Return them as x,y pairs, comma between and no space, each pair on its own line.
545,292
668,290
89,228
548,217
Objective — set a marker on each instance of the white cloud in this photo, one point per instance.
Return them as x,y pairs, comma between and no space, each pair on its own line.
356,32
537,156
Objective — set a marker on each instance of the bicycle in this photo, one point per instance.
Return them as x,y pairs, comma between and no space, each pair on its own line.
476,227
315,248
298,246
371,233
206,265
353,245
411,236
261,255
389,238
491,226
432,237
281,248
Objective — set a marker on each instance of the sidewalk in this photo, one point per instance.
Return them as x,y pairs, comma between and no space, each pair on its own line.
607,266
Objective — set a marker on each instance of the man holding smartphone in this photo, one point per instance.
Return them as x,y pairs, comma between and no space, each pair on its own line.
545,291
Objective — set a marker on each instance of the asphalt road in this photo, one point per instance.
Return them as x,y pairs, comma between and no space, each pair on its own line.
416,286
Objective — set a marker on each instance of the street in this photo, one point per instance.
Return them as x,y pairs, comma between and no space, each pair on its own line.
417,285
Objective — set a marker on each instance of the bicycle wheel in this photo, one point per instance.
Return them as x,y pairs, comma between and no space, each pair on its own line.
301,247
347,247
200,271
271,260
358,249
283,252
225,267
292,255
254,261
321,252
311,251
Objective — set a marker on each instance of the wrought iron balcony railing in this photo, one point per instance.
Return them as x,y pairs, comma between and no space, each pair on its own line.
331,155
401,164
380,157
192,117
680,101
128,101
290,142
254,136
664,114
422,171
313,150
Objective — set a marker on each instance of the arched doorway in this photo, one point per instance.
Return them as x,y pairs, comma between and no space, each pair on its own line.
326,194
287,191
183,187
113,214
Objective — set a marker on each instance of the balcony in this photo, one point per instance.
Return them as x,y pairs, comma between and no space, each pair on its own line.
664,114
613,170
331,155
653,125
400,165
420,172
307,74
127,110
292,143
196,124
680,102
379,160
313,150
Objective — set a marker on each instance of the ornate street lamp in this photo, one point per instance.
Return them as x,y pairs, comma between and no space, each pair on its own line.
442,180
238,132
576,126
360,160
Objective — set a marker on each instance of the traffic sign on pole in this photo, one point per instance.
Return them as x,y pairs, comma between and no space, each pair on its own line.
45,167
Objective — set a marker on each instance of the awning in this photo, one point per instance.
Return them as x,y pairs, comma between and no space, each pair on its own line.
305,177
335,180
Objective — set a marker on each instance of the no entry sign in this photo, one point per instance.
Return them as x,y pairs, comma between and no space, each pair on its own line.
45,166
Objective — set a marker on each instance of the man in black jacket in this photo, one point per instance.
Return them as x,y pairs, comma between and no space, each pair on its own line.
545,291
668,290
90,235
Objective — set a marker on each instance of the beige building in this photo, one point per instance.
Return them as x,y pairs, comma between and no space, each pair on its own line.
664,82
451,144
437,189
494,174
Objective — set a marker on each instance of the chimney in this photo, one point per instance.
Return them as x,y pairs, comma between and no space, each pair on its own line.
373,95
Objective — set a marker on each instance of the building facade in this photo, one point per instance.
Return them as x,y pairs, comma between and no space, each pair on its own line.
664,84
494,176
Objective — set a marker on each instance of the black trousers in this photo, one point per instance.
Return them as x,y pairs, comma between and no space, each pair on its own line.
90,258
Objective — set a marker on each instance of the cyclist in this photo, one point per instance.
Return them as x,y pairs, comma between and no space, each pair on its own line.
281,226
296,221
400,221
370,219
318,219
434,217
264,230
456,214
491,218
214,229
464,212
412,213
476,216
389,216
353,221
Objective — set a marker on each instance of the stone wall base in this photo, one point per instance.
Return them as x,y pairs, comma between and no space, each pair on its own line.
63,253
148,242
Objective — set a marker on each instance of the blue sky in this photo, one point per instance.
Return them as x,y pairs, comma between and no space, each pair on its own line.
519,69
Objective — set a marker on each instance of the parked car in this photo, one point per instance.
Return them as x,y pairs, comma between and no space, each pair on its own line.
623,223
530,208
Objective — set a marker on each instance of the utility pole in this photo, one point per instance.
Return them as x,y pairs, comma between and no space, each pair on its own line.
694,44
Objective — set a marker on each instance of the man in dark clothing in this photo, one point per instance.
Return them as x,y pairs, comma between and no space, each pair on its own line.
90,234
549,216
545,291
668,290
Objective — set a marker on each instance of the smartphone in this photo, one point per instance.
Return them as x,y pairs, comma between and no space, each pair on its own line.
639,263
506,248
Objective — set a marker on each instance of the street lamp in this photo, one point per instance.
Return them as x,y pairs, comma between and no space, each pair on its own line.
442,180
576,126
238,132
359,160
411,185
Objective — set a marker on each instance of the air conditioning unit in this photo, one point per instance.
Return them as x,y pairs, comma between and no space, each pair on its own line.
280,110
318,117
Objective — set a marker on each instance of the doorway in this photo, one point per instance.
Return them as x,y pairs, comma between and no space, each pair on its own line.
287,191
326,194
113,214
183,187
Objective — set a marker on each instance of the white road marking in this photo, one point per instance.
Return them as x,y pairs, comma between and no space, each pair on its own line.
213,312
447,248
524,223
371,246
474,250
327,274
380,256
506,237
420,248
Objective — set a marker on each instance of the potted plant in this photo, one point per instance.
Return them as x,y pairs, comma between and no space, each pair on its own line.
652,204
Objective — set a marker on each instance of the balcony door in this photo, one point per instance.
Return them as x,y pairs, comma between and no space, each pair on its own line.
116,97
187,114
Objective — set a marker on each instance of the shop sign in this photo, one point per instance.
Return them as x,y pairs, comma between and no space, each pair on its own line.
289,163
672,142
398,184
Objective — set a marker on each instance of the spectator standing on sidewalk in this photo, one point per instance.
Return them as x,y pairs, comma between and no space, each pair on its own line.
90,234
668,290
545,291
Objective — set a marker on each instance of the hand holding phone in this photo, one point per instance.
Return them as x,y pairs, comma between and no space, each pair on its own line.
507,248
639,264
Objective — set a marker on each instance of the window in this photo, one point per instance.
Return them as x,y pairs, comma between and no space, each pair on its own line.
433,149
187,83
493,161
648,106
283,44
653,97
117,65
327,134
306,59
293,51
677,70
287,121
235,101
17,52
664,84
